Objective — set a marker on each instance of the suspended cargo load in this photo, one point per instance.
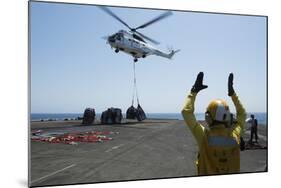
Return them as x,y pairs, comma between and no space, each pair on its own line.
141,112
111,116
89,116
132,112
135,113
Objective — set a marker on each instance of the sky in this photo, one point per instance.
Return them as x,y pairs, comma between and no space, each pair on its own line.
72,67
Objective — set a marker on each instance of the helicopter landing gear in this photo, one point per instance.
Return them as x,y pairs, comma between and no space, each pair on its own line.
116,50
135,60
143,56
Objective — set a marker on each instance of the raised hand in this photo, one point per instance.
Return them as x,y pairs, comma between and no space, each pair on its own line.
198,85
230,85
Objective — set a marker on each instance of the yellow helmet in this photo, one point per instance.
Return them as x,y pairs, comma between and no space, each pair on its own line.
217,112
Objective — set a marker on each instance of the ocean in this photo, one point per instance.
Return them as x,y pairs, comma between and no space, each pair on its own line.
261,117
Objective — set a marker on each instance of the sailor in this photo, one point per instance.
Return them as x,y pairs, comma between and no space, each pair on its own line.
254,129
219,150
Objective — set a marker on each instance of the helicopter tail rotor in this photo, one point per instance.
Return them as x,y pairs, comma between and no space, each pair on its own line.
172,53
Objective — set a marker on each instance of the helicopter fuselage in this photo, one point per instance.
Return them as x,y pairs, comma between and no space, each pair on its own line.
133,42
126,43
138,48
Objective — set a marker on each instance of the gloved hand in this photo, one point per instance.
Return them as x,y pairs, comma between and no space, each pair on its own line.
198,85
230,85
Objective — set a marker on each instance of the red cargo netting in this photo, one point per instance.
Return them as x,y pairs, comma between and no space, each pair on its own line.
71,138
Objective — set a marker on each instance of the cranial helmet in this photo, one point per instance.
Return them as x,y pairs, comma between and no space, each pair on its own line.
217,112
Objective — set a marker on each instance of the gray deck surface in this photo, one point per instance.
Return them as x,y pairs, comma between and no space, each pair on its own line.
150,149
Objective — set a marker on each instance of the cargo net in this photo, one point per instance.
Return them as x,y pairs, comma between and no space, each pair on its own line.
111,116
71,138
89,116
132,112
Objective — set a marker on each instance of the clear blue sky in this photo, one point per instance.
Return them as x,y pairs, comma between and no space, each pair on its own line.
72,67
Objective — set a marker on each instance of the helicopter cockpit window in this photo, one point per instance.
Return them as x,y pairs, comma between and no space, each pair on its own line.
119,36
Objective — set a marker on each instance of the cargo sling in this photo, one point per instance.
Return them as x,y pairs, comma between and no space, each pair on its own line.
132,112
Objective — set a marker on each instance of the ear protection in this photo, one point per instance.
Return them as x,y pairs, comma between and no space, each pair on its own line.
208,118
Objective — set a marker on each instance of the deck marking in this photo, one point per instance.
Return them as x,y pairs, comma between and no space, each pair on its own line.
58,171
114,147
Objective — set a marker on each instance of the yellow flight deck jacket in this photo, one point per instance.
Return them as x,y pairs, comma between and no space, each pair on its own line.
219,147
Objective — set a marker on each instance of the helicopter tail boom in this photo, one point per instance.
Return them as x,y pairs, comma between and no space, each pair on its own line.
173,53
166,55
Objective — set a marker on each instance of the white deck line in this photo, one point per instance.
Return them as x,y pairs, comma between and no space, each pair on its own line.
115,147
56,172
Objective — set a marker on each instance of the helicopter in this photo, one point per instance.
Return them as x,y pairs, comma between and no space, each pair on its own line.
135,43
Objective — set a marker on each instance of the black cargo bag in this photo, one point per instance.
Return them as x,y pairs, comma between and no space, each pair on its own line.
131,112
141,113
107,116
89,116
111,116
135,113
117,115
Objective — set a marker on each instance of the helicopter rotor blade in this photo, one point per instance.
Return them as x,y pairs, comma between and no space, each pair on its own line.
108,11
158,18
147,38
